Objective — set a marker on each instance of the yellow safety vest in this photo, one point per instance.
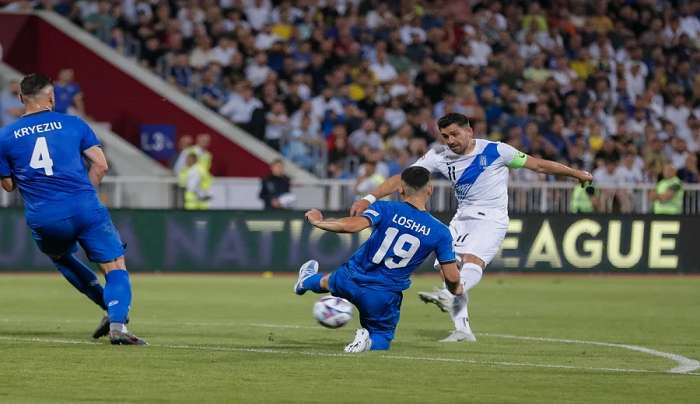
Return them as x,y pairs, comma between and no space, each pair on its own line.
192,199
673,206
580,201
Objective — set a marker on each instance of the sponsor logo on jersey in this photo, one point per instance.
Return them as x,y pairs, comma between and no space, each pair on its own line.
40,128
411,224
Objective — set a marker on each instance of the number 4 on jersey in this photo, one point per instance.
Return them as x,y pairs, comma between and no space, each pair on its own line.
40,157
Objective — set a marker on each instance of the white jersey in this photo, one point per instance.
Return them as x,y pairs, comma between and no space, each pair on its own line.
480,178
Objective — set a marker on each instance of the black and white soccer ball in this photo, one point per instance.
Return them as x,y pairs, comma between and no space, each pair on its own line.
332,312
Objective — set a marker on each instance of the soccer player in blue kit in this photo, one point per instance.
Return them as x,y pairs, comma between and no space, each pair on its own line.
404,235
42,154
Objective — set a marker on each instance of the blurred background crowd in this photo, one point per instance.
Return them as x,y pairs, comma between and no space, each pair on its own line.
351,88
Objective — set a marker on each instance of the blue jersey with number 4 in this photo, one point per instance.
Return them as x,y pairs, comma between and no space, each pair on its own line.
402,238
43,152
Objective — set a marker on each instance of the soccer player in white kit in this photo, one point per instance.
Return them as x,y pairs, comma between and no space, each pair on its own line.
478,169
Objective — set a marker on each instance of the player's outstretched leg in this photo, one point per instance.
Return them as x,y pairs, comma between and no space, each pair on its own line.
361,343
457,306
81,277
310,279
470,274
117,296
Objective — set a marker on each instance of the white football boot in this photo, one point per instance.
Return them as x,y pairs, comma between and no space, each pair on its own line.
309,268
440,297
460,336
361,343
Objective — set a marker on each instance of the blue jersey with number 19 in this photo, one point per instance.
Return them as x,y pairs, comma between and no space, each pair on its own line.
43,153
402,238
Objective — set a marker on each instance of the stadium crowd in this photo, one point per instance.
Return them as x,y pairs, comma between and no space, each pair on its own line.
351,89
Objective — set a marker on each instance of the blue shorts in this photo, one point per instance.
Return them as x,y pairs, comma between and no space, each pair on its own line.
92,228
379,309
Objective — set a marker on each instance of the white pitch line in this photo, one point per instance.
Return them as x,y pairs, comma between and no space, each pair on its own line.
685,365
339,355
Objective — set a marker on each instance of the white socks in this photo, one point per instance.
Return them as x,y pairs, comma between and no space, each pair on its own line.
121,327
470,275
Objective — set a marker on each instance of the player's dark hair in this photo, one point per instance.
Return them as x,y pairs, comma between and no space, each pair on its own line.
415,177
32,84
453,117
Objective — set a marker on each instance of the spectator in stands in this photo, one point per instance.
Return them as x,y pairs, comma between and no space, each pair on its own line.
101,22
67,93
324,103
11,107
258,71
302,145
275,188
210,92
224,51
277,124
604,177
689,172
668,195
152,53
181,75
240,106
366,136
368,179
627,174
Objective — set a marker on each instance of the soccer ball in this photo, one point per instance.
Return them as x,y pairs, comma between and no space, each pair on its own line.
332,312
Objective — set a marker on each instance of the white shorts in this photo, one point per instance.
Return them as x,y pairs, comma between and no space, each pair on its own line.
479,237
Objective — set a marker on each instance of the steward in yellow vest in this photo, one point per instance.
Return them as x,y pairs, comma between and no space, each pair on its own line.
196,180
668,196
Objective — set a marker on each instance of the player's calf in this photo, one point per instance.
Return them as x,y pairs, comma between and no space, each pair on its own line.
117,296
81,277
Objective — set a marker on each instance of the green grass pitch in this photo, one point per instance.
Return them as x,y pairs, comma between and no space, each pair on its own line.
250,339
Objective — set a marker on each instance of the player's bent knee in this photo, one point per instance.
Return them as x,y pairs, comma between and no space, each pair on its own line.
117,263
473,259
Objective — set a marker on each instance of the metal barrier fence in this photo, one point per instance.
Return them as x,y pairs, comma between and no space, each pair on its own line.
338,195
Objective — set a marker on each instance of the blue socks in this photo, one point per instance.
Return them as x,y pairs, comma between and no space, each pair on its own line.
117,295
81,277
313,283
379,342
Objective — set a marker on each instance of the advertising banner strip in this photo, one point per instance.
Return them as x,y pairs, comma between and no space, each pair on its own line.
246,241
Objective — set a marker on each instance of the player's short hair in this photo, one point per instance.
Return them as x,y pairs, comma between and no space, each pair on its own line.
32,84
453,117
415,178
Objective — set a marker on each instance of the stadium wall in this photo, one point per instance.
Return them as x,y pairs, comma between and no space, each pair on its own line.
279,241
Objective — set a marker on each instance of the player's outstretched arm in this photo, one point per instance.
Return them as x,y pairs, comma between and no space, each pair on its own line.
344,225
450,273
386,188
552,167
98,164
